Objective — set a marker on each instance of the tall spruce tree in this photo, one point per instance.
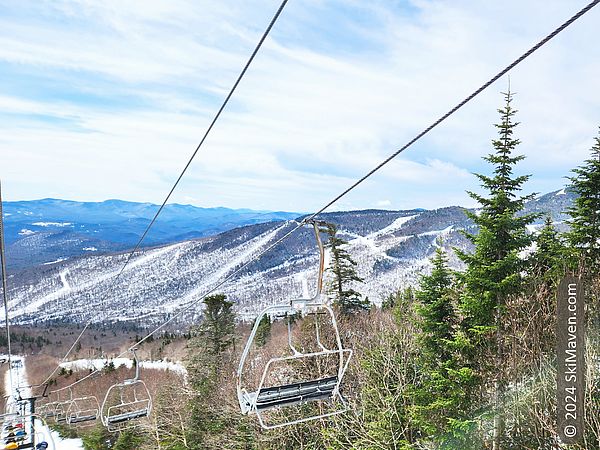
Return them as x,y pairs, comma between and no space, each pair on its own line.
212,420
494,269
343,268
440,399
584,234
218,327
435,309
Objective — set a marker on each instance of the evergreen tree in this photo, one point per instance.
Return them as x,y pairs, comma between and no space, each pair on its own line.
440,399
209,365
584,234
343,268
98,438
494,270
129,440
218,327
435,308
263,332
548,260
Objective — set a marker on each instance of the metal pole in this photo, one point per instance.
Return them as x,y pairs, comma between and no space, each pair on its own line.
5,292
32,424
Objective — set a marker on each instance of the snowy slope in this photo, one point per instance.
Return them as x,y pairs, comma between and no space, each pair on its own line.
392,249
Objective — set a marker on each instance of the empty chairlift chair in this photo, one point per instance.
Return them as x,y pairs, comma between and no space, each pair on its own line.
54,411
272,395
127,402
60,411
83,411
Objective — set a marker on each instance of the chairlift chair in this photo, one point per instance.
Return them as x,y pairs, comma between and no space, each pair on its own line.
60,411
55,411
277,396
127,402
83,411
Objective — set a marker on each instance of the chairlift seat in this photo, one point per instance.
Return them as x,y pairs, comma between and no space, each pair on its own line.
290,394
120,418
81,419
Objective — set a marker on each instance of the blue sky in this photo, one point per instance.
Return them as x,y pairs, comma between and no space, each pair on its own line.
108,99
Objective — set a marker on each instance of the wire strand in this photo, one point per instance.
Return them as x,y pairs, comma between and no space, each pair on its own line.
189,162
437,122
5,294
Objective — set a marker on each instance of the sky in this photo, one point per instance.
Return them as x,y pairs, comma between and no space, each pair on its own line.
102,100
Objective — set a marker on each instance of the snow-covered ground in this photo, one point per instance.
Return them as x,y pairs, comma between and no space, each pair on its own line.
98,364
19,386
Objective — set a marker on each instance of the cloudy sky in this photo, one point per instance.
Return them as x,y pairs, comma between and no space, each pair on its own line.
108,99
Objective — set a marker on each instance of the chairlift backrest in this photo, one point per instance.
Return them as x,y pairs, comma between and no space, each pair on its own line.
271,395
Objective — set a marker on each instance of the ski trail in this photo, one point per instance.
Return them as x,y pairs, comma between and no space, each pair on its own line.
63,279
252,247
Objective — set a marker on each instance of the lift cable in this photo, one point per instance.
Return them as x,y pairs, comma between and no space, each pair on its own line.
189,162
307,219
5,294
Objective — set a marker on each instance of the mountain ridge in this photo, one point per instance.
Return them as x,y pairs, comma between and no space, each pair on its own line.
46,230
392,249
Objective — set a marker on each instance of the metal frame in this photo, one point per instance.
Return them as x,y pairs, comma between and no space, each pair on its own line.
140,408
249,401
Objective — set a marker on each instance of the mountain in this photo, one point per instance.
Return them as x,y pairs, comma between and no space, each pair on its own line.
50,230
392,248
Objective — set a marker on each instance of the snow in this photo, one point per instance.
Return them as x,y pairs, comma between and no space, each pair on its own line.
369,241
395,225
55,261
26,232
90,249
52,224
561,192
19,379
34,306
99,363
445,231
250,248
63,279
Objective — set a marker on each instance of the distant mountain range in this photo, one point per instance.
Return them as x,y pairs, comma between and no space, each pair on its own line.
48,230
392,249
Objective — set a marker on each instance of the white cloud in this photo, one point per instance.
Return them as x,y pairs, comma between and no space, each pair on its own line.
313,113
